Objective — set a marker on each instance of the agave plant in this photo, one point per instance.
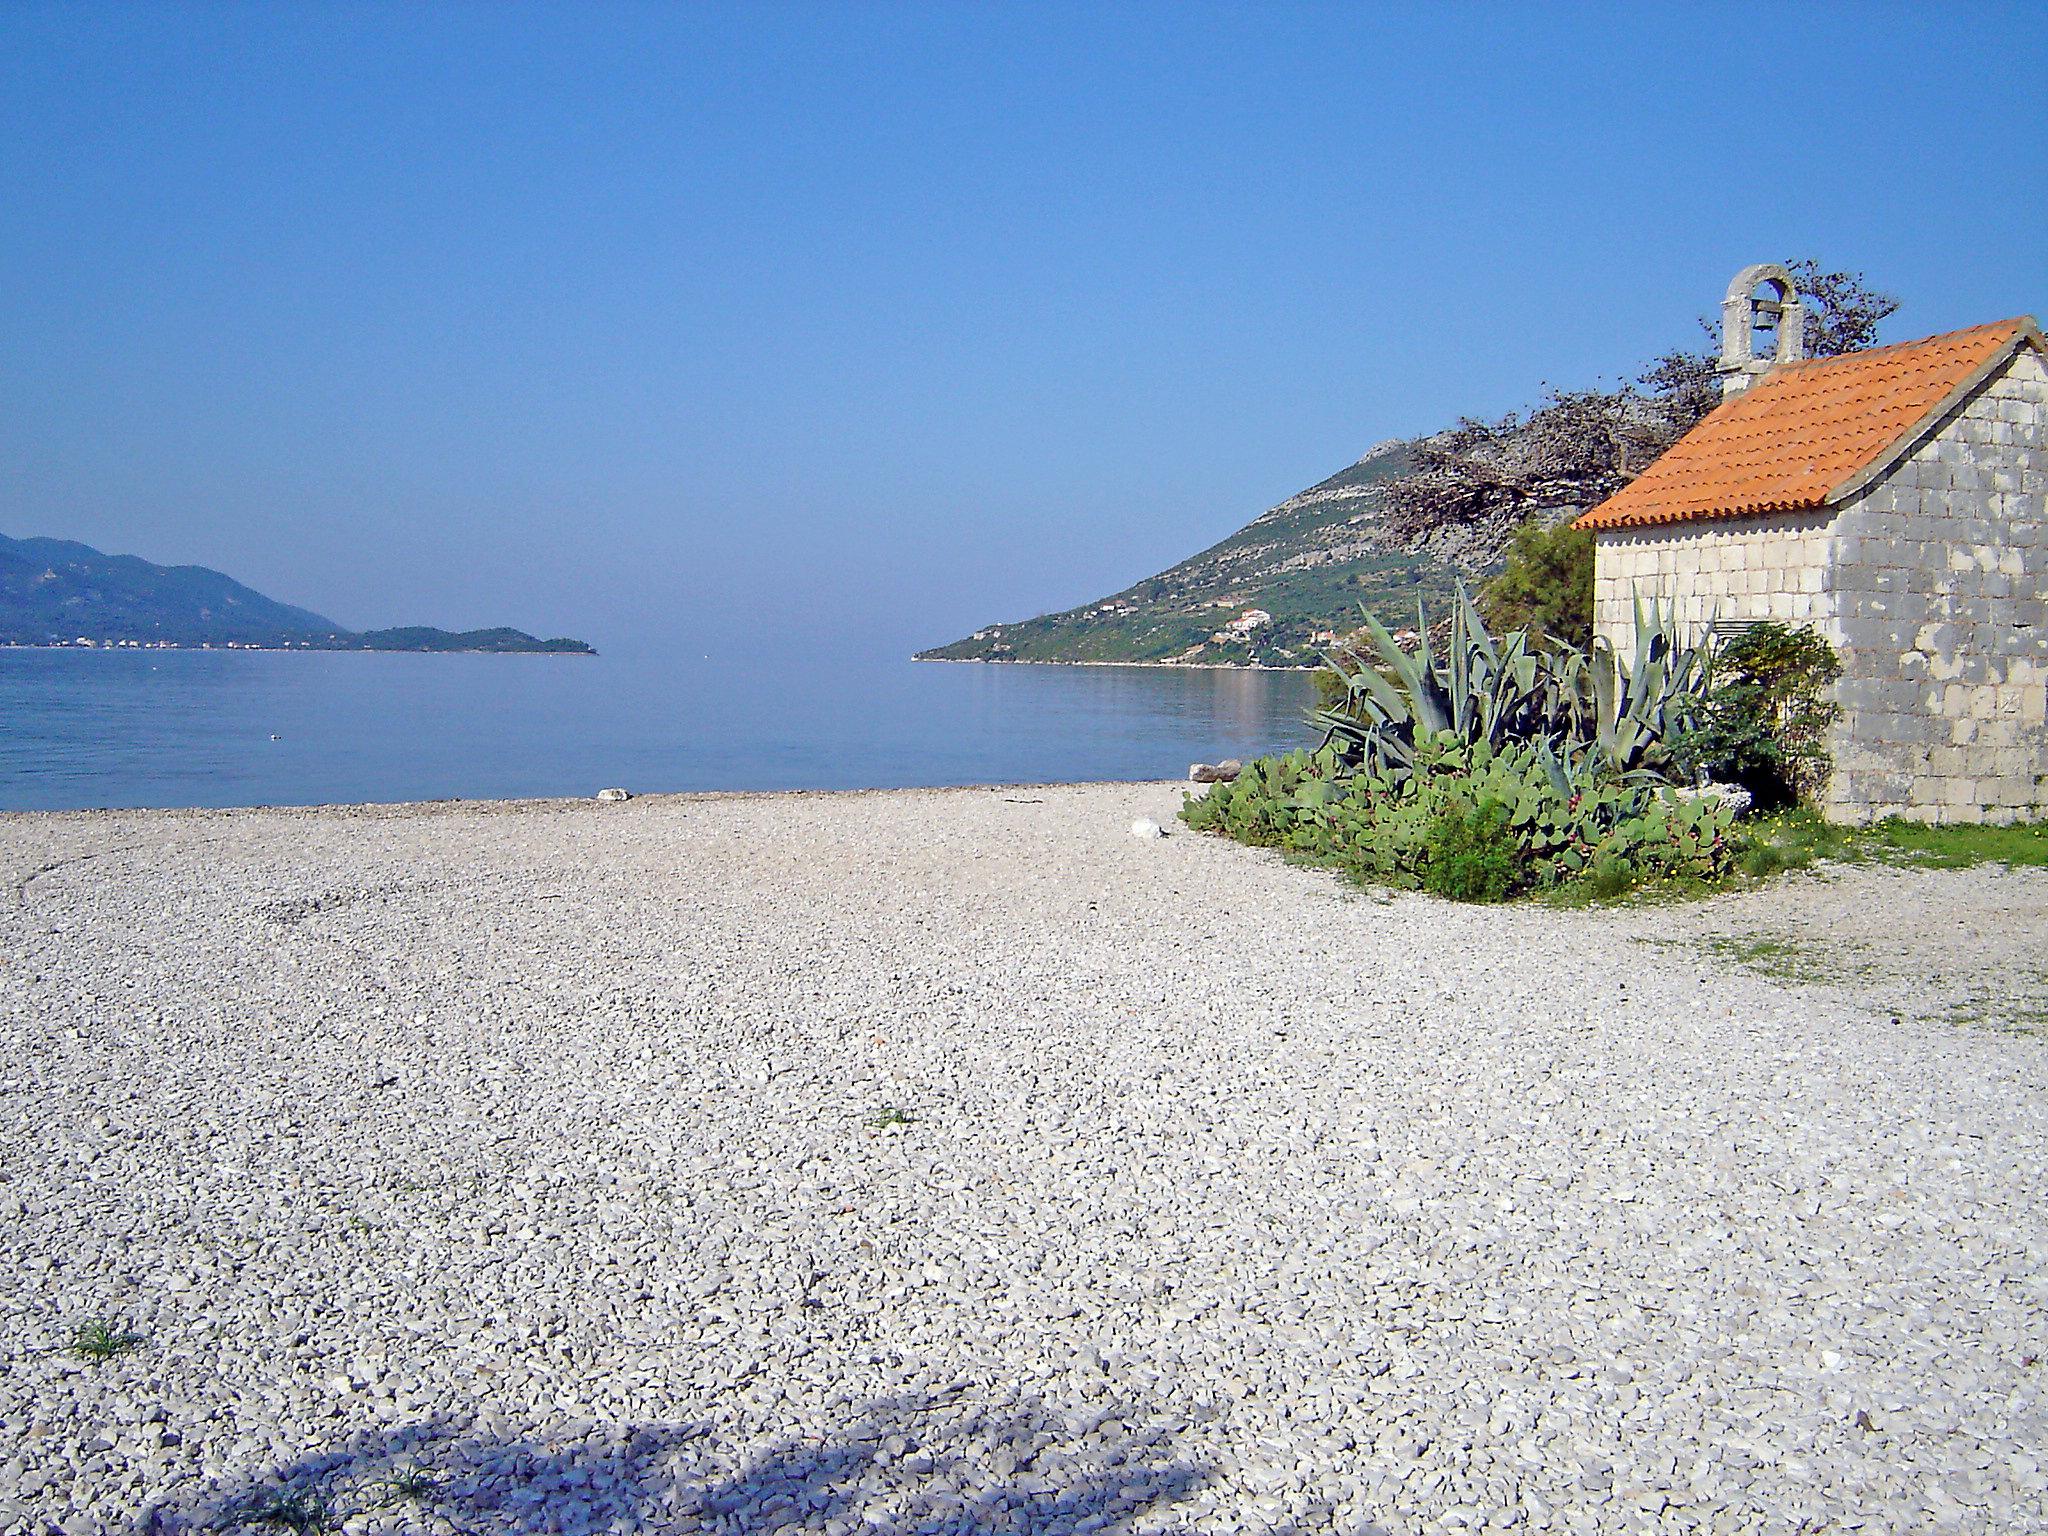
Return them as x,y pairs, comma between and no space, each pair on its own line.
1623,716
1479,689
1590,714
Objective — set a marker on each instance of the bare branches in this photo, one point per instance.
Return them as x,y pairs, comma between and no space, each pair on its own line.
1577,448
1474,484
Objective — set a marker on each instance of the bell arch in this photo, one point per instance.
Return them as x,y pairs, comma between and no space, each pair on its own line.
1761,297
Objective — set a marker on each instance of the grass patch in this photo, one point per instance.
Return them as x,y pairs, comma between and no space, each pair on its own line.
2022,1013
1782,958
1957,845
1793,839
407,1485
890,1117
100,1340
301,1510
1798,839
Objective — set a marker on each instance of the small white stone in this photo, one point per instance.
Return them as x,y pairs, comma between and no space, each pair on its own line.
613,795
1145,830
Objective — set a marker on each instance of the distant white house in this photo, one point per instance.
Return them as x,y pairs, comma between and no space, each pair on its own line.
1249,620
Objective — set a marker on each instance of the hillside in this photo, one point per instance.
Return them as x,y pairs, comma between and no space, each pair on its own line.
55,592
1309,564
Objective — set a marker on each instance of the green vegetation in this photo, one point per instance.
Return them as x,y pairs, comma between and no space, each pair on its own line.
1956,846
101,1340
1765,724
1492,767
1483,768
1476,823
302,1510
889,1118
1586,712
1472,822
1470,852
1796,838
407,1485
2028,1015
419,637
1545,585
307,1509
1784,959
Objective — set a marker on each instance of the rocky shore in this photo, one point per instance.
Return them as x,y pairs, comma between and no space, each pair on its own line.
954,1161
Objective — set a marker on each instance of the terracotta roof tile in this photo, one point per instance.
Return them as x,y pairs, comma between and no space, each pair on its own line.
1799,436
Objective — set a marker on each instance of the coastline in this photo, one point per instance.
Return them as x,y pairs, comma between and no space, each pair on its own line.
539,804
137,649
1163,666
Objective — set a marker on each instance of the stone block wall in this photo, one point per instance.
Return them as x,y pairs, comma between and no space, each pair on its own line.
1939,591
1737,568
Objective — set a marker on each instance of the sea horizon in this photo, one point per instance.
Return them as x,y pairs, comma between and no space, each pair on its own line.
88,728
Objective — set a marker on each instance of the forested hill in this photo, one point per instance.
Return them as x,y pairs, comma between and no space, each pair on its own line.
1308,564
55,592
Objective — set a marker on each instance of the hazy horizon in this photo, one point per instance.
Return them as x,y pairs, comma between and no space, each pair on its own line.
732,327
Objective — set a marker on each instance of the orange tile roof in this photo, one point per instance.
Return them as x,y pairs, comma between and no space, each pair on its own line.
1810,432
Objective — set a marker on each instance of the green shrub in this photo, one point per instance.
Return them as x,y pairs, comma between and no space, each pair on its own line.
1609,878
1762,860
1470,821
1471,853
1546,587
1764,725
1592,707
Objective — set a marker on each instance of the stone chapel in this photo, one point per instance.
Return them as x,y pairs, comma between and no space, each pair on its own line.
1896,500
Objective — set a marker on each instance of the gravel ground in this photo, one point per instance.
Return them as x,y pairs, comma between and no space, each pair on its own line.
1968,946
954,1161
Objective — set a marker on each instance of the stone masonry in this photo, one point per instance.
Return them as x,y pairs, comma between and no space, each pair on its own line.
1939,605
1771,567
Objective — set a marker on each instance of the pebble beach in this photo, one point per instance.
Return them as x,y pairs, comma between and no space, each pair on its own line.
954,1161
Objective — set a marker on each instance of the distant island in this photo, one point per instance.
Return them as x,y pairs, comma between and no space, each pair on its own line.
57,593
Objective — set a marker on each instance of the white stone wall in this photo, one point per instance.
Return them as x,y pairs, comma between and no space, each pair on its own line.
1933,584
1773,567
1940,585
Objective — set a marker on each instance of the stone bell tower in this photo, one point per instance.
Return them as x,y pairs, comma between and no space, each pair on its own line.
1762,302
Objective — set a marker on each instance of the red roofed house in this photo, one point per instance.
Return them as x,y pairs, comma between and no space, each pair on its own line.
1897,501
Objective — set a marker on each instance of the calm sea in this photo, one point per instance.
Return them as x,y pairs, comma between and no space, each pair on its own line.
170,728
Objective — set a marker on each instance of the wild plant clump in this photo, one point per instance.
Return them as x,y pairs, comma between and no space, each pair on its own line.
1472,822
1765,723
1600,713
1484,768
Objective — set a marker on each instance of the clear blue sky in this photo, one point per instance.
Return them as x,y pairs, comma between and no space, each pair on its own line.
692,325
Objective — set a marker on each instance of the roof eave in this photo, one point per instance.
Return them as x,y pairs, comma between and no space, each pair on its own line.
1698,515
